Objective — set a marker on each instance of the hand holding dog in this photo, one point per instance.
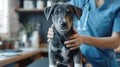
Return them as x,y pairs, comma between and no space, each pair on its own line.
74,41
50,33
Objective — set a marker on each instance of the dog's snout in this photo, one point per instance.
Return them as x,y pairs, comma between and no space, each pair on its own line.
63,24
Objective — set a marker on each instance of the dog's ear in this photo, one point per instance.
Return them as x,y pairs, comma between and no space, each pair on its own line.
77,11
48,11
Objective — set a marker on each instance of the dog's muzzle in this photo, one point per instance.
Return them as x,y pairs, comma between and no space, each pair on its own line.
63,24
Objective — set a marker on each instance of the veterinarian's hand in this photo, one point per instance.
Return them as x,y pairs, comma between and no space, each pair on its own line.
50,33
74,41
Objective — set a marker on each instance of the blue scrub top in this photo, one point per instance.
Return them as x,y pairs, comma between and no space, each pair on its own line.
101,22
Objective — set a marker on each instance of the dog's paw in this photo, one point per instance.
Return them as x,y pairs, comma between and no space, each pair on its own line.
52,65
78,65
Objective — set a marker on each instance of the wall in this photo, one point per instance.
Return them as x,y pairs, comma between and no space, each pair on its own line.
10,19
13,17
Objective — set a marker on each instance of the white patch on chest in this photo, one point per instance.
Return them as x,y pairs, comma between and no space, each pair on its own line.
65,53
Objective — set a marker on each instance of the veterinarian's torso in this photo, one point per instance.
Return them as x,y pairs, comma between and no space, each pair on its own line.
101,22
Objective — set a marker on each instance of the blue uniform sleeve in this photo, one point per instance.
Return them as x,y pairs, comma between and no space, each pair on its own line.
116,25
78,3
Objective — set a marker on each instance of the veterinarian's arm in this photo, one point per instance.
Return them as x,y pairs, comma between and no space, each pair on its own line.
103,42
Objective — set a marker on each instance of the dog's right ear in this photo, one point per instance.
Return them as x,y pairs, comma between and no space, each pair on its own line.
48,11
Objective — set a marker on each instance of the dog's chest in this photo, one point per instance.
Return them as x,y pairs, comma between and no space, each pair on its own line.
60,47
62,54
58,44
61,51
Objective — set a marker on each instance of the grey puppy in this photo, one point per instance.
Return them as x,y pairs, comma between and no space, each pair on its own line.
62,18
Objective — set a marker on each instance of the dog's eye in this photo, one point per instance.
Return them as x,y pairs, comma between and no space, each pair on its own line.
68,11
58,12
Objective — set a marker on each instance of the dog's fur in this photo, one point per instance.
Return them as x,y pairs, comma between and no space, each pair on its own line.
62,18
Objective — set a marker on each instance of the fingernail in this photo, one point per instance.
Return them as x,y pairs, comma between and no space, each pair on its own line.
67,45
51,36
67,42
71,48
64,42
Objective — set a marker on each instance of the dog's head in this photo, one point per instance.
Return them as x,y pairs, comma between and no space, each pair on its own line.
62,16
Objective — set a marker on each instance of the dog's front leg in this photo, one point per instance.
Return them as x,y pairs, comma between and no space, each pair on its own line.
77,60
51,57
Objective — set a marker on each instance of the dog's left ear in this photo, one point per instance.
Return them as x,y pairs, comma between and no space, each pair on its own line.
48,11
77,11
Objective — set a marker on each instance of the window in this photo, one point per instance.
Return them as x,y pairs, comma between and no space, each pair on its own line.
4,17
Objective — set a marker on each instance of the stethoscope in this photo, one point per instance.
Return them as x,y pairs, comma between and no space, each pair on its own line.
83,28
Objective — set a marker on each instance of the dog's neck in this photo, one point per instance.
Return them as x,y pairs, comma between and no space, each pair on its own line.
64,36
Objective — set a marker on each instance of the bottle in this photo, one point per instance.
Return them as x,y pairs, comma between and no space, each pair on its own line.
35,42
16,44
35,39
40,4
28,4
1,43
50,3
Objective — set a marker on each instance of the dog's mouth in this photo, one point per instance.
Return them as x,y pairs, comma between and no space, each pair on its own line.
64,29
63,26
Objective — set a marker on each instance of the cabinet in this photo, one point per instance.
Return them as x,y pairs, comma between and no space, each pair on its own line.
22,10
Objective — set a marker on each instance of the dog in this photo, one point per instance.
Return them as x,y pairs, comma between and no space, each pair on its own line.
62,18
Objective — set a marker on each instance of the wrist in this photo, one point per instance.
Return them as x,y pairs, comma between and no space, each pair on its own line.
84,39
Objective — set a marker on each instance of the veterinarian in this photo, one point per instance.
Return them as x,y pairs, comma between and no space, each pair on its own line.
97,32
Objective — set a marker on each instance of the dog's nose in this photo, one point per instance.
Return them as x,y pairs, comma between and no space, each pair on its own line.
63,24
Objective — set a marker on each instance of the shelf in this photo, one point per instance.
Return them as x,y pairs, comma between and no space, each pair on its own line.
22,10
